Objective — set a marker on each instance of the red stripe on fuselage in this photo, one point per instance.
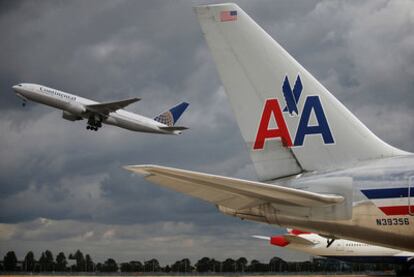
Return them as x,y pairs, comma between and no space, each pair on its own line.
396,210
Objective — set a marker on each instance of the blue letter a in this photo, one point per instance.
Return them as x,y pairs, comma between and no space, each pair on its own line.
313,103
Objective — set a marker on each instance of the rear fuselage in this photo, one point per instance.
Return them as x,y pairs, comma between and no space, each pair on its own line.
381,210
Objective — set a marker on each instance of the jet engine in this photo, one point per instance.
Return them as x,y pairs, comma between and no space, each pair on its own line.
69,116
75,109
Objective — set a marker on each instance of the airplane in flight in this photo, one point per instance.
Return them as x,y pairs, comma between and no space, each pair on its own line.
112,113
320,169
340,249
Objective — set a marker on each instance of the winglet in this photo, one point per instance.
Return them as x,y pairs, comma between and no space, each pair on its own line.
171,116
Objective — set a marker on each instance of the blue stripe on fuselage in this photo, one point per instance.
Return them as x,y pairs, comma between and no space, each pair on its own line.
387,193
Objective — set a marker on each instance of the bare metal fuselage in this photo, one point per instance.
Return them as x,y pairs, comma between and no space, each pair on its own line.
360,219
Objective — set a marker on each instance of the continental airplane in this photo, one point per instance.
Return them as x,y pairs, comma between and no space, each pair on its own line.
319,168
112,113
345,250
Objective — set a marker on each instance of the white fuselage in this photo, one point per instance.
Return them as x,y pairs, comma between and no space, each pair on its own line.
348,250
74,105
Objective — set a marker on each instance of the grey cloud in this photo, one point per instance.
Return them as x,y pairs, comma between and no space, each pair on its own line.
105,50
133,242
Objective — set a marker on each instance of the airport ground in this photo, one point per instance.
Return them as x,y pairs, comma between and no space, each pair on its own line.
222,275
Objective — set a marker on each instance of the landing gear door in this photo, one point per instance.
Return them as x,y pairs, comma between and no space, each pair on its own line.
411,195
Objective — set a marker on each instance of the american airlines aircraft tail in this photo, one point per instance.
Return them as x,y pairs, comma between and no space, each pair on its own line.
289,121
320,169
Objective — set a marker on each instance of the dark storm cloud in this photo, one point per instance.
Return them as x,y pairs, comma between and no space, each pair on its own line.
64,185
136,241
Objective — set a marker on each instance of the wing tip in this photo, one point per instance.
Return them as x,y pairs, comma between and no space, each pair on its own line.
140,169
335,198
261,237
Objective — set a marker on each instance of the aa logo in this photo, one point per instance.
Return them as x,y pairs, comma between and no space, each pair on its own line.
272,110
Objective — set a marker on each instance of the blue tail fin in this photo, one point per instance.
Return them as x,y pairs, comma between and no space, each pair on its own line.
171,116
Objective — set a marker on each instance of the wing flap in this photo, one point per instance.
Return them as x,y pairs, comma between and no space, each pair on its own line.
206,186
108,107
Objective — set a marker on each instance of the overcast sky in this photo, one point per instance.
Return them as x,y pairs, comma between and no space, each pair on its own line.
62,187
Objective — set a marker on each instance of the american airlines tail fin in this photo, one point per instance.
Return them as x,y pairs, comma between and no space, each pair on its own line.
171,116
289,121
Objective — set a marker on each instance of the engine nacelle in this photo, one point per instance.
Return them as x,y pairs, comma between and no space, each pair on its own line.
71,117
75,109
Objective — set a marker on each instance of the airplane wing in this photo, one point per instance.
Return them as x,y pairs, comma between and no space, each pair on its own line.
288,238
108,107
298,240
231,192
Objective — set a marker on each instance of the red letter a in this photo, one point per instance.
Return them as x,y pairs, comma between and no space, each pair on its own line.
263,133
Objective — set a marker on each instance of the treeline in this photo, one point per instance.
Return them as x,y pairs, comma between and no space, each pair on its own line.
78,262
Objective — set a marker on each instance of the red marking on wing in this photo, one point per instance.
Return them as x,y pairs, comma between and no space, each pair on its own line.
279,241
298,232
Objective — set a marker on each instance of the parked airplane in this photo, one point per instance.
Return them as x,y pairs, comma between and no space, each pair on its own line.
320,169
340,249
112,113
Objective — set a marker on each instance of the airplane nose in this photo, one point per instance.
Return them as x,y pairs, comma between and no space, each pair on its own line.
17,88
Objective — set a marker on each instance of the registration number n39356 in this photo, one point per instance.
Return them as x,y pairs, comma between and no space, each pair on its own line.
393,221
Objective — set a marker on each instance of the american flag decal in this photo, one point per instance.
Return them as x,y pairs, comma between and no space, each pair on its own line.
228,16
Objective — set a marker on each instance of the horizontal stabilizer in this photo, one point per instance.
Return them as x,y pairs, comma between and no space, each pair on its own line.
231,192
174,128
108,107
